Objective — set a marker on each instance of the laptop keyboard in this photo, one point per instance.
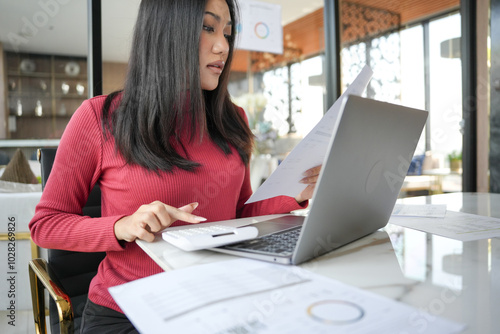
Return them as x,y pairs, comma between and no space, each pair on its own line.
280,243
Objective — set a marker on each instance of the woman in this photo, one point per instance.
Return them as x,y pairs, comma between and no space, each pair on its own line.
170,149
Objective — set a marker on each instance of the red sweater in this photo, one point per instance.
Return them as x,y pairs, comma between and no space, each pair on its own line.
84,157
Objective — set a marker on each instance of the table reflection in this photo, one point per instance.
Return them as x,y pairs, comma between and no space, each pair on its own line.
458,280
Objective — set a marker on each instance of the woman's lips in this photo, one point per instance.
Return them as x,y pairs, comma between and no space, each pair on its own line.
216,66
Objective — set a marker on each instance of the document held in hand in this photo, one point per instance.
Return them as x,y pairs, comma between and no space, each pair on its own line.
311,150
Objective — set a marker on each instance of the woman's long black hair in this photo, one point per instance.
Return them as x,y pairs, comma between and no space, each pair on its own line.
163,90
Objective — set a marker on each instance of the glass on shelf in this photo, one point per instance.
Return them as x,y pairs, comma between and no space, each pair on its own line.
70,88
80,89
13,85
65,88
30,106
43,86
19,108
38,108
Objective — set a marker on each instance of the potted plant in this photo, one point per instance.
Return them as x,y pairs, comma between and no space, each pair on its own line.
455,159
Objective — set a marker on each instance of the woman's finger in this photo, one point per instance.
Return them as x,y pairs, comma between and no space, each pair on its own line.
314,171
152,218
166,215
309,180
189,207
143,232
311,175
183,214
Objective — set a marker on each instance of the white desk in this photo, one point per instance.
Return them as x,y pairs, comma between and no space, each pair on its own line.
453,279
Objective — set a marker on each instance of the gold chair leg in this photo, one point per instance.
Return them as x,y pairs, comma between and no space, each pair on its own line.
66,318
38,301
39,280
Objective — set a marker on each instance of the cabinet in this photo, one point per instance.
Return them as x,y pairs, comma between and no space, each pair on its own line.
43,91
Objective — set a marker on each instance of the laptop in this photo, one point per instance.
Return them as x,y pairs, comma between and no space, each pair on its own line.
364,168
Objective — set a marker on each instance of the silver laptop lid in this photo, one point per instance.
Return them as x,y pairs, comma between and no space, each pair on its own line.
364,169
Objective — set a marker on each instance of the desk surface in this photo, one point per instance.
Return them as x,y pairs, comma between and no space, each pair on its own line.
444,277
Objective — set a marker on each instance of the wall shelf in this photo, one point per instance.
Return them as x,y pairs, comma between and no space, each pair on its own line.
43,93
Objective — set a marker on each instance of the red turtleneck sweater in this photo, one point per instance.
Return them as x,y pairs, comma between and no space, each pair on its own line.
84,157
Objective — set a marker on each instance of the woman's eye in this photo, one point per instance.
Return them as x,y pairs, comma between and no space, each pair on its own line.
208,28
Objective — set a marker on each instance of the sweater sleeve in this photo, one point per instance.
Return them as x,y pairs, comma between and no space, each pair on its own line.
58,222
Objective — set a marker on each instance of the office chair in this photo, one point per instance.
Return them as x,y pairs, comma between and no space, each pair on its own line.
66,275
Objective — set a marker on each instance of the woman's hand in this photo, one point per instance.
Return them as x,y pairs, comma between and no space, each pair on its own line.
310,178
152,218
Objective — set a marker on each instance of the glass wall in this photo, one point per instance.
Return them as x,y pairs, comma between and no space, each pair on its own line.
117,30
445,101
43,66
43,75
287,102
416,65
282,92
43,79
410,50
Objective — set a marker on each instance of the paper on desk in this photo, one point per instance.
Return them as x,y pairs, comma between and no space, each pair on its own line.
248,296
417,210
310,152
455,225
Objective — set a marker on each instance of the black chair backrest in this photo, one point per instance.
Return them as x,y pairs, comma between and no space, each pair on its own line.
73,271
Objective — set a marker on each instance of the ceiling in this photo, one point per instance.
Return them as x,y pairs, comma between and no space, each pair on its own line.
60,27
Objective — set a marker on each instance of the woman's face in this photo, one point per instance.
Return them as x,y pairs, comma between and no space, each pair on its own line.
214,44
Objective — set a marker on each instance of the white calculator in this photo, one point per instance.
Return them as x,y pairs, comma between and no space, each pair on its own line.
202,237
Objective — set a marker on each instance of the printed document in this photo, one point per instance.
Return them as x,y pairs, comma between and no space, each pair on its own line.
249,296
420,210
455,225
311,150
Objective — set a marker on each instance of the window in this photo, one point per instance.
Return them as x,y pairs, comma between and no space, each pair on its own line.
406,73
